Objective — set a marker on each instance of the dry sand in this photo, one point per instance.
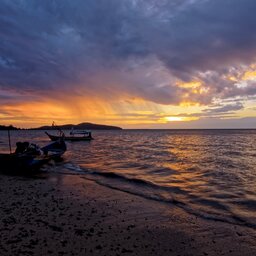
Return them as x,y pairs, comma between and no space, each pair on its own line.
68,215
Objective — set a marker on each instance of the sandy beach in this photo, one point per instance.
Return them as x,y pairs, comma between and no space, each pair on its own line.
68,215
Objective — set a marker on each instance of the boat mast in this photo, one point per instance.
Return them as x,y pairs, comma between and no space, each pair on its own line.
9,138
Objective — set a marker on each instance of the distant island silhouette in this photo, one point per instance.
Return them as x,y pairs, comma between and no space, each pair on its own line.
82,126
10,127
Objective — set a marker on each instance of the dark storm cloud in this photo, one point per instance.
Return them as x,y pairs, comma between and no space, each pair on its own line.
211,35
108,47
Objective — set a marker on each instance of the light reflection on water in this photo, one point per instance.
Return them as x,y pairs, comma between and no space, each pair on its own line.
211,172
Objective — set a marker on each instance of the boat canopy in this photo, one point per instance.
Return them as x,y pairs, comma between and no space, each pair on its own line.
73,132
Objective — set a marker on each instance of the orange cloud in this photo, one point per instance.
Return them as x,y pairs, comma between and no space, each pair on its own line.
249,75
192,84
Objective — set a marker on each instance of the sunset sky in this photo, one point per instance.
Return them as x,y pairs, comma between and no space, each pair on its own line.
131,63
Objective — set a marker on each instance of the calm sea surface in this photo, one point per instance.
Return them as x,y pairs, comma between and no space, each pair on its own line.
209,173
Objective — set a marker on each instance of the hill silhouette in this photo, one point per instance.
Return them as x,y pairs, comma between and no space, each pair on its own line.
10,127
82,126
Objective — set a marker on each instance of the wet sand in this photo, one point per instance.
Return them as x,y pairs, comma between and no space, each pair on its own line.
69,215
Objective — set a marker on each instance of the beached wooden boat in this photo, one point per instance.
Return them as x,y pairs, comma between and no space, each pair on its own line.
29,157
74,136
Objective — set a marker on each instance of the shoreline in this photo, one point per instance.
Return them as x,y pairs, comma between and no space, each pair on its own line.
61,214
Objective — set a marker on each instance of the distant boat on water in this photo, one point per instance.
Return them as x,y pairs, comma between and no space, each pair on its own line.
73,135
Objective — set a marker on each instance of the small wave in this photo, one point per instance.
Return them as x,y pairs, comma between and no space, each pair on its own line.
163,171
73,167
136,181
146,196
230,219
249,204
211,203
235,153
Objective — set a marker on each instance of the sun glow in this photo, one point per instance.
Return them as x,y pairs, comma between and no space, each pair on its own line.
174,118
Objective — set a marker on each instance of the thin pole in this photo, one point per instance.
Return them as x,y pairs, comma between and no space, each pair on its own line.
9,137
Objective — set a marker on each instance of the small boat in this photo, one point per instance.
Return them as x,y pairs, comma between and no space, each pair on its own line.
30,157
73,136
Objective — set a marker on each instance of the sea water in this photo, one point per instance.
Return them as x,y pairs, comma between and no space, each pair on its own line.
209,173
